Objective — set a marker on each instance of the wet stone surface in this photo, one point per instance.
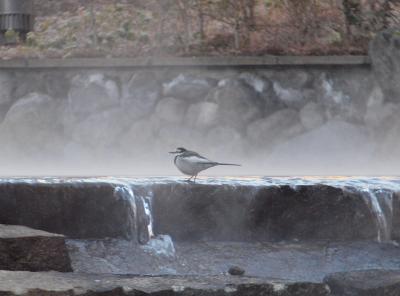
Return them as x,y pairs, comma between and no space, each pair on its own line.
23,248
310,261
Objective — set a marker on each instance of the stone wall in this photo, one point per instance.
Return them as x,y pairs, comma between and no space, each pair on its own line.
299,119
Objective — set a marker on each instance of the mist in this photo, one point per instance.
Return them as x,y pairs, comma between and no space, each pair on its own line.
273,121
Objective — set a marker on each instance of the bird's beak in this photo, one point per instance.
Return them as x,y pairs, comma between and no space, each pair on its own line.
173,152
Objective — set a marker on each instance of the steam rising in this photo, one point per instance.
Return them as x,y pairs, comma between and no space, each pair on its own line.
273,122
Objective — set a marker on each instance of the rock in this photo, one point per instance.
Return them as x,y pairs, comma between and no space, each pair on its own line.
258,83
141,94
223,139
103,129
236,270
385,56
7,86
342,147
292,98
278,127
238,104
267,213
295,79
59,284
265,90
171,110
312,115
202,115
23,248
189,87
92,93
57,84
77,210
33,124
365,283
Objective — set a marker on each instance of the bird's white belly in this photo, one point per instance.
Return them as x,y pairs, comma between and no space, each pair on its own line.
190,166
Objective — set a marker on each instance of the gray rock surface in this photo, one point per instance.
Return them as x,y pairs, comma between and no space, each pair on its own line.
79,210
238,104
189,87
34,119
171,110
202,115
385,56
23,248
141,94
364,283
312,115
55,284
276,128
92,93
240,213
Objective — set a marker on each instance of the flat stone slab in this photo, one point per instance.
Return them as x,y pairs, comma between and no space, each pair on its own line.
295,261
223,209
54,284
365,283
23,248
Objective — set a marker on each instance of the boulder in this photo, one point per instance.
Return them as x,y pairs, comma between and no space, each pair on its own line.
238,104
295,79
265,90
312,115
141,94
92,93
33,124
189,87
385,56
7,87
290,97
23,248
202,115
336,147
60,284
171,110
364,283
274,129
102,129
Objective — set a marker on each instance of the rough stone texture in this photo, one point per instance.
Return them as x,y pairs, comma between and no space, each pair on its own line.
312,115
206,212
92,93
189,87
385,56
365,283
23,248
33,122
171,110
238,103
55,284
141,94
276,128
78,210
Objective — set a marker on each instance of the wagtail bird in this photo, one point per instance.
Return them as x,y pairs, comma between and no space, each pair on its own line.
191,163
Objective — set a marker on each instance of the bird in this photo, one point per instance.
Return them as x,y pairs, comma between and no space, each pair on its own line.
192,163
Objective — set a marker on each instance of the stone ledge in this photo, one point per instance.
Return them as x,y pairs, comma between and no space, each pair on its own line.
53,284
242,61
364,283
23,248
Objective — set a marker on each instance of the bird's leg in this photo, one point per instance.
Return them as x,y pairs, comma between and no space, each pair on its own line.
195,176
190,179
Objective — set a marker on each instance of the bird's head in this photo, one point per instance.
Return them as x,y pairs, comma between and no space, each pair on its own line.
179,150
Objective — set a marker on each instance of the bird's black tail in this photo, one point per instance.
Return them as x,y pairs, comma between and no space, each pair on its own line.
234,164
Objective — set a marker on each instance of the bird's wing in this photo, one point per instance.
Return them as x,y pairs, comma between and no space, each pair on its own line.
194,157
